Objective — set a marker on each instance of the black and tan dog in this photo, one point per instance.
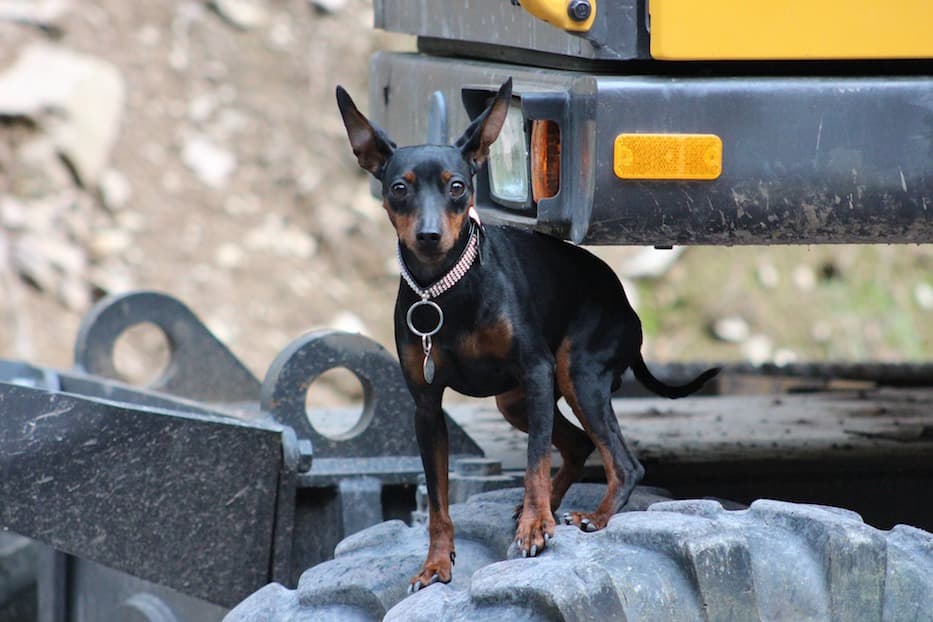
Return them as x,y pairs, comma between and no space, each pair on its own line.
500,311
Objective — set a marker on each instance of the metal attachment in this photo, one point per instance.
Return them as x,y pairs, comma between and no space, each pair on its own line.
579,10
411,325
226,379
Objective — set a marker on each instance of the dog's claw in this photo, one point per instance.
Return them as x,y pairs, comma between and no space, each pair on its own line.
414,587
547,537
534,550
567,518
453,558
434,579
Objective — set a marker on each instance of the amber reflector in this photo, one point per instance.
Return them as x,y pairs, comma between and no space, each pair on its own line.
668,156
545,159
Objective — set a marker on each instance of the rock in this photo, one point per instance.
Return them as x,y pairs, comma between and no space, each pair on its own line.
732,329
115,190
768,275
201,107
54,265
923,295
821,331
12,213
757,349
804,278
43,13
244,14
229,255
281,35
78,100
329,6
212,164
348,323
111,277
110,243
650,262
40,169
279,238
784,356
242,204
186,14
149,36
74,293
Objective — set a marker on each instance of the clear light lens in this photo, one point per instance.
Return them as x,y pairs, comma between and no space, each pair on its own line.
508,160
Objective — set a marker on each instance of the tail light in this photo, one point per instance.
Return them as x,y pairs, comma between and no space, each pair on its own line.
545,159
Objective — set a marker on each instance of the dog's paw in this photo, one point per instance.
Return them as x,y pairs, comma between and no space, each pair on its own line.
533,534
585,522
436,569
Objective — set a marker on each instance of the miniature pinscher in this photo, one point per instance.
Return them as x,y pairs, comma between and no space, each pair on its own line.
506,312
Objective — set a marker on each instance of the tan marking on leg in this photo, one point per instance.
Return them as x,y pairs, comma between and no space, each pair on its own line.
562,372
441,551
536,524
512,406
575,447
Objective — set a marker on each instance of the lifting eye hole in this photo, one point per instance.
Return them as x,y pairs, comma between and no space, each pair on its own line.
398,190
457,188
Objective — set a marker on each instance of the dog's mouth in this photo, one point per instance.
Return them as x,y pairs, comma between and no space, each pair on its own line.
430,255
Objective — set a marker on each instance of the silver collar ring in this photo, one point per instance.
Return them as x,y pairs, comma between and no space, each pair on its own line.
411,325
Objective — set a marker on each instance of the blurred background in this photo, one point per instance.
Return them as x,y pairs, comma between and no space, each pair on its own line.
194,147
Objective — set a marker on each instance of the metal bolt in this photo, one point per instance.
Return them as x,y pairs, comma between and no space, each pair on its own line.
579,10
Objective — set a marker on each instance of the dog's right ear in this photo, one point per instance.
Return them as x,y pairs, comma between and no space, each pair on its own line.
371,145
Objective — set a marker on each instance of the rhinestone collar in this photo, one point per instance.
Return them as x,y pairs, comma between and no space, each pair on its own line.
453,275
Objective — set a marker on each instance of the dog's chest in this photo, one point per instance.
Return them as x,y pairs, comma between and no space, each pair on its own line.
475,361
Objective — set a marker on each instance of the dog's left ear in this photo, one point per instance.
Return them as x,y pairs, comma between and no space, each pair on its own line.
483,131
371,145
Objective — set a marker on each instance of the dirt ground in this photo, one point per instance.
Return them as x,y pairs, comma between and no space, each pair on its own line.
283,237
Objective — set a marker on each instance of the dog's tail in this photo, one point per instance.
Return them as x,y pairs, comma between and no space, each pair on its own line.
665,390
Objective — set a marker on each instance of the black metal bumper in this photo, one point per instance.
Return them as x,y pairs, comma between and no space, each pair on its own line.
809,159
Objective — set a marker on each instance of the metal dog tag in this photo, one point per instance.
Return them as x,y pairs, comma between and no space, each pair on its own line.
428,369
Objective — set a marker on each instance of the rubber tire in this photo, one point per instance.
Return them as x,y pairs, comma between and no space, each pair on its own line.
677,561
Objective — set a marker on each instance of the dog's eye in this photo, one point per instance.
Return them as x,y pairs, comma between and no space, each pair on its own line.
398,190
457,188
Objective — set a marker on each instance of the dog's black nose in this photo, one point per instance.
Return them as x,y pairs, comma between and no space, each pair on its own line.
428,238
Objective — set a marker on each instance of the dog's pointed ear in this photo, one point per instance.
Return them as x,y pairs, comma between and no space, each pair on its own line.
371,145
483,131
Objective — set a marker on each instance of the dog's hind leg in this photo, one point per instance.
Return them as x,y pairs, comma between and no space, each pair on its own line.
573,443
587,387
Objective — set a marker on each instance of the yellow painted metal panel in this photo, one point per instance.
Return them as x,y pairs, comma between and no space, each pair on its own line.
790,29
667,156
555,12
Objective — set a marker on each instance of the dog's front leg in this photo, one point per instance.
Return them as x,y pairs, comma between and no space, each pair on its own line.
431,429
536,524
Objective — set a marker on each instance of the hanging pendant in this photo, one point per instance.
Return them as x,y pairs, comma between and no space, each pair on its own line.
428,369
